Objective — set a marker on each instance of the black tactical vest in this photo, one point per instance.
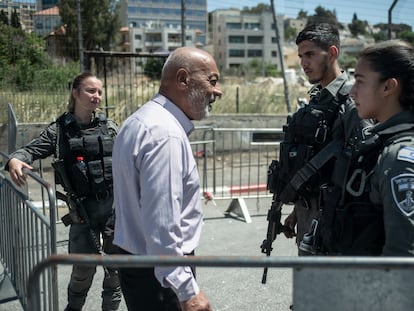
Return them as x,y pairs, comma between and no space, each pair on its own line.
350,224
94,146
307,132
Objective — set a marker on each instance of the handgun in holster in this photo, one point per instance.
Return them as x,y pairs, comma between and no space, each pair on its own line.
71,200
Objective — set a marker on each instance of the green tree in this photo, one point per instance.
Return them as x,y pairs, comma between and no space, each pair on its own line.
21,55
100,24
258,9
323,15
15,20
357,27
290,33
407,36
347,61
3,17
380,36
153,68
302,14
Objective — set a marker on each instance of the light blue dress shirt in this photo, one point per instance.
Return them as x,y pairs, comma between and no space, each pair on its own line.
157,191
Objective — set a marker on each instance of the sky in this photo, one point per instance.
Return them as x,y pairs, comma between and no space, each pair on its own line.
373,11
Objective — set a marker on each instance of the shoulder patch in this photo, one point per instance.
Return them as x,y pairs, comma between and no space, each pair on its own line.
402,187
406,154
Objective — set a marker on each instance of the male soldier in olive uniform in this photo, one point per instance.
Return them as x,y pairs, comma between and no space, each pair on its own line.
330,115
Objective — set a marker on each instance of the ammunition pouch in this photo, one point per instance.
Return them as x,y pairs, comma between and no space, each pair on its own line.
274,183
355,228
359,229
97,179
272,176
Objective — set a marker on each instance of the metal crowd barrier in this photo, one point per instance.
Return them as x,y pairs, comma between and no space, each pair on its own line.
233,164
308,294
27,236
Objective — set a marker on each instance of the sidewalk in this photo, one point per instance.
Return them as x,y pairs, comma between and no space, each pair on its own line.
228,289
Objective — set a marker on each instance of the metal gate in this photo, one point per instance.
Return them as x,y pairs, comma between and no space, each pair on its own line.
27,237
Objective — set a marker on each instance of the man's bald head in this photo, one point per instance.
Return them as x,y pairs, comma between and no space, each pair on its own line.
184,57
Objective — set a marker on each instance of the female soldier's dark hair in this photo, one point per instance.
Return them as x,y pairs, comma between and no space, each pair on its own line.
75,84
394,59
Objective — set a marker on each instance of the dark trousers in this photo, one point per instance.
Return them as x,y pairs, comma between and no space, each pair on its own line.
80,241
142,291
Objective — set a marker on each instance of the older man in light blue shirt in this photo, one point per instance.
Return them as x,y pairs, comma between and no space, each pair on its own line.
156,183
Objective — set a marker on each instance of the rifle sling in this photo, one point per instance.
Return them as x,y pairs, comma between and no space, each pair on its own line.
312,166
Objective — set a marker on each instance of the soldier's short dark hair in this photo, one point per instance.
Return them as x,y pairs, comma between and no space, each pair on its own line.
323,35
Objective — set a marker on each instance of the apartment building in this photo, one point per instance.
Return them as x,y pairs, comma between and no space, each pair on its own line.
158,25
155,37
237,38
46,4
46,21
23,9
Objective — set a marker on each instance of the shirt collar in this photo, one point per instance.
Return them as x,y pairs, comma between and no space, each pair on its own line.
398,122
335,84
185,122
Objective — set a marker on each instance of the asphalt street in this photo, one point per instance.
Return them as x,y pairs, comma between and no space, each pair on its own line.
228,289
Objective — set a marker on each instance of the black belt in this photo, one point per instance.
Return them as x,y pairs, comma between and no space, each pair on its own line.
124,252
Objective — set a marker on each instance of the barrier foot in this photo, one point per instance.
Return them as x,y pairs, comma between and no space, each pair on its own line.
7,292
238,207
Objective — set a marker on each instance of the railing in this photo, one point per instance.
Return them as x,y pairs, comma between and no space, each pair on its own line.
397,293
27,236
233,162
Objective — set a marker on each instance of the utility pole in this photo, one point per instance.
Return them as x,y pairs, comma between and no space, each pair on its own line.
80,40
389,18
182,22
281,57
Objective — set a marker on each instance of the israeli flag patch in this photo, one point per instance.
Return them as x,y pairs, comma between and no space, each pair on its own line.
406,154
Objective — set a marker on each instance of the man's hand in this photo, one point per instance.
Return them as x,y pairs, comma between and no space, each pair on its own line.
291,221
16,171
197,303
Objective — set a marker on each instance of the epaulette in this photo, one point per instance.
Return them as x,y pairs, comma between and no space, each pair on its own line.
65,119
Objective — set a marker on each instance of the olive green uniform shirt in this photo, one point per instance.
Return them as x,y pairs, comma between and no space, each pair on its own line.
392,185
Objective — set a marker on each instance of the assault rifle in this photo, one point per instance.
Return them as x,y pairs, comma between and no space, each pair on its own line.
274,214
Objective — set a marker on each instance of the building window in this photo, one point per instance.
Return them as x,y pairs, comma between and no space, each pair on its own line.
236,39
252,26
274,54
174,38
255,39
236,53
234,26
154,37
254,53
137,37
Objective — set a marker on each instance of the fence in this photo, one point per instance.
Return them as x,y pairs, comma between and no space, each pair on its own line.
233,163
327,289
27,236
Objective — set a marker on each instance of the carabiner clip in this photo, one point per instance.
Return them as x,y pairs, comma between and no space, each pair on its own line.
363,178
